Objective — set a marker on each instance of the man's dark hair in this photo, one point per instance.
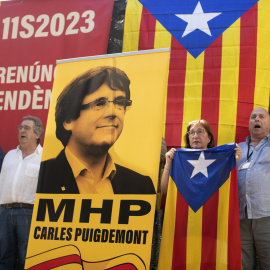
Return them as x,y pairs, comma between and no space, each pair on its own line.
38,129
69,101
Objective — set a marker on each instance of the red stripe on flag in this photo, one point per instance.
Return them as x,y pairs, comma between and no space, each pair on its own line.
210,112
211,84
234,243
247,71
180,234
147,31
209,233
175,95
57,262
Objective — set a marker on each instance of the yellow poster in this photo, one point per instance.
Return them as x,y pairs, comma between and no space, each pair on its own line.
96,194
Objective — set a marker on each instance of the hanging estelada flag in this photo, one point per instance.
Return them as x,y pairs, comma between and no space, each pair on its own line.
219,69
201,223
197,24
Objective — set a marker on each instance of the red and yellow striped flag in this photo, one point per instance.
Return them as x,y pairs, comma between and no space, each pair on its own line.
222,85
207,239
69,257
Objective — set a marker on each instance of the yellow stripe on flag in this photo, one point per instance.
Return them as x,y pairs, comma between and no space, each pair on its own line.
132,26
229,84
227,128
222,228
262,83
165,257
162,37
192,111
194,240
193,91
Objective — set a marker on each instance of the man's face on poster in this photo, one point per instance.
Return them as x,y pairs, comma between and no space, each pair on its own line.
100,122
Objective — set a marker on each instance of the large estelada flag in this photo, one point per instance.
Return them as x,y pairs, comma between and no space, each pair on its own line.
219,66
201,223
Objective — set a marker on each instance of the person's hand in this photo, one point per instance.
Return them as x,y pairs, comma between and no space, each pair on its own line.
238,152
169,157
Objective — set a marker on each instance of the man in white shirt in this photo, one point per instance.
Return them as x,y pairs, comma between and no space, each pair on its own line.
18,182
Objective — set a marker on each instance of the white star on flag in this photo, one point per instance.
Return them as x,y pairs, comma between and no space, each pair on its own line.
200,165
197,20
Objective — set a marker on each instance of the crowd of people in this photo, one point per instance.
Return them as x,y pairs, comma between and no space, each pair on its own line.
20,171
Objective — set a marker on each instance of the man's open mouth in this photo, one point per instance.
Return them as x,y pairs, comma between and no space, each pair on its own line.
257,126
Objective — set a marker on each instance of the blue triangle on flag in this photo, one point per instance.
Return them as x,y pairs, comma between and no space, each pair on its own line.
197,23
198,174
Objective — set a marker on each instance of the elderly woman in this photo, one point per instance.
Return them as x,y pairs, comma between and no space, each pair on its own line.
199,136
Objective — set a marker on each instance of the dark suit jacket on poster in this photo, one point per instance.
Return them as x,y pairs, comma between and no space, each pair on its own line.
57,173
